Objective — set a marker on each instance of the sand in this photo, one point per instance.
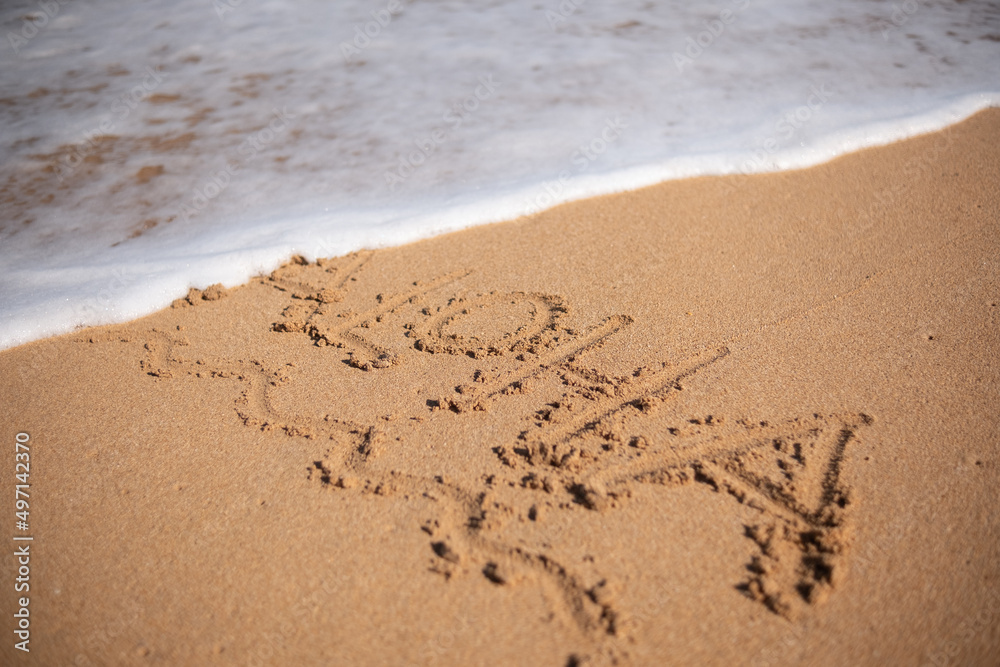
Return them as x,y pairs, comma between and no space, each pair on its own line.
741,420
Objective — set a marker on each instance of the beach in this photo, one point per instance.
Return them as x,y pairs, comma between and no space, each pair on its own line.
171,144
743,419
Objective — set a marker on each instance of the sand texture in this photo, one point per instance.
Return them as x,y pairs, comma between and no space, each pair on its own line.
742,420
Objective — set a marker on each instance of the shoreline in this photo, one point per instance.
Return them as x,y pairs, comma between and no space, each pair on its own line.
117,287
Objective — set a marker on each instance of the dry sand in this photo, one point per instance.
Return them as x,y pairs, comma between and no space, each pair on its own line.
747,420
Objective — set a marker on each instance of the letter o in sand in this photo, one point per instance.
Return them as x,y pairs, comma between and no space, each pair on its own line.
491,324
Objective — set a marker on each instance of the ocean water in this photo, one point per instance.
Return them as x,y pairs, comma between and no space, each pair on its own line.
151,147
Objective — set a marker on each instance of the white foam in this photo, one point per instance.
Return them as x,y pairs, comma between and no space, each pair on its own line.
264,87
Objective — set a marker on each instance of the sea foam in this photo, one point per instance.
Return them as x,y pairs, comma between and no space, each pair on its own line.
148,148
